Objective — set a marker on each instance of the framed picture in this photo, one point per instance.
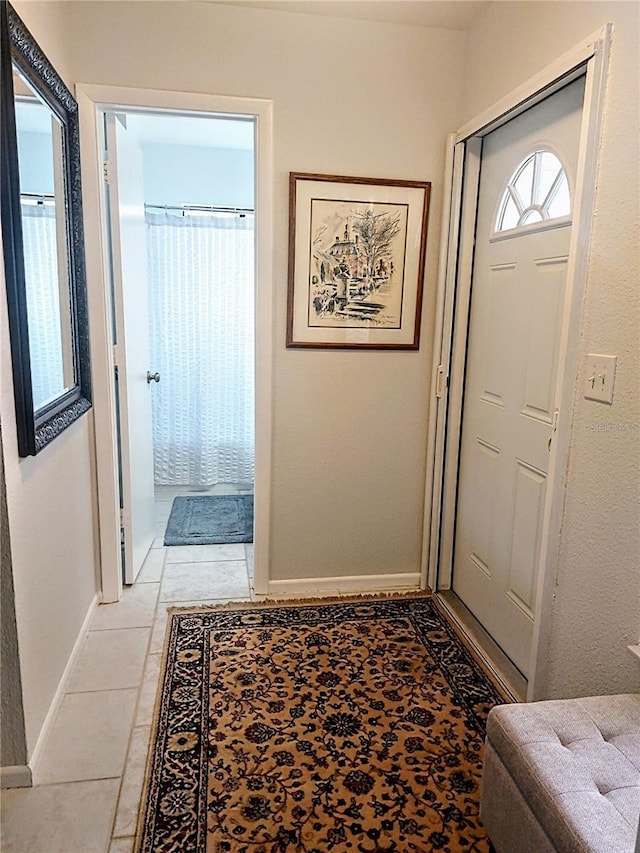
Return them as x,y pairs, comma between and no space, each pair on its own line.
356,262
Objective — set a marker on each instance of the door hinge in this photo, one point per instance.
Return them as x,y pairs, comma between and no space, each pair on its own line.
554,426
441,380
106,171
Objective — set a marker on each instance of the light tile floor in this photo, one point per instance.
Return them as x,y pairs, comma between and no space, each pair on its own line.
87,791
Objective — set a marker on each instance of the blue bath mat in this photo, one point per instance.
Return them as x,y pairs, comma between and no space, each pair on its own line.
210,520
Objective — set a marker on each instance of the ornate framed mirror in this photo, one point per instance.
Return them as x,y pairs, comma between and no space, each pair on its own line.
43,242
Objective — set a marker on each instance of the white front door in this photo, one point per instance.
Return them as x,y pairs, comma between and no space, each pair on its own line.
128,251
523,229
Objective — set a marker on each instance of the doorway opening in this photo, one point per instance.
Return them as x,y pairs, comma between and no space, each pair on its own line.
180,212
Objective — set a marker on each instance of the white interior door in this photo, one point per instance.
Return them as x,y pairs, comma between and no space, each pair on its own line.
128,247
519,273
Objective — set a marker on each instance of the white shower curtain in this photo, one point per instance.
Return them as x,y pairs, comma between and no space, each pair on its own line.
201,295
43,301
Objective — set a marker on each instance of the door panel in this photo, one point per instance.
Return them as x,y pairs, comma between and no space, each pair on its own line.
527,529
496,303
481,523
128,246
517,299
542,361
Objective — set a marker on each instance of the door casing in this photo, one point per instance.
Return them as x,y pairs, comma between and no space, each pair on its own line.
589,58
94,101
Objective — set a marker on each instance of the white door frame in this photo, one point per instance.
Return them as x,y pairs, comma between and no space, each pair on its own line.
93,101
589,58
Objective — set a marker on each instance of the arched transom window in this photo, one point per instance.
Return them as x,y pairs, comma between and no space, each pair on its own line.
537,192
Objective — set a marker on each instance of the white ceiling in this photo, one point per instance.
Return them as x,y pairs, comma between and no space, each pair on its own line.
209,132
447,14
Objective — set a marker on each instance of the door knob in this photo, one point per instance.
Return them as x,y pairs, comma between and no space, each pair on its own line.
152,377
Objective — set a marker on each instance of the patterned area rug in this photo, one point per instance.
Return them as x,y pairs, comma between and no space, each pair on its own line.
210,520
313,727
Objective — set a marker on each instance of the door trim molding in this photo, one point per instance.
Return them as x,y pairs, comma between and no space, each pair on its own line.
590,58
93,101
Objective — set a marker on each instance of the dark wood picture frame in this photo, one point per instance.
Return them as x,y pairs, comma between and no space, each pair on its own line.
357,249
37,428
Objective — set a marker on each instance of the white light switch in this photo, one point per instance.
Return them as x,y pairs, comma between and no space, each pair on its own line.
600,374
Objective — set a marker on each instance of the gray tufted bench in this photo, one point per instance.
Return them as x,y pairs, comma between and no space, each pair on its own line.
563,776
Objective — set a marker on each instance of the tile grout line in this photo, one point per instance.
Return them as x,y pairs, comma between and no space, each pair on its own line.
59,782
120,628
102,690
199,562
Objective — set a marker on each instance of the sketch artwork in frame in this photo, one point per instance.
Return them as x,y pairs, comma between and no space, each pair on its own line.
356,262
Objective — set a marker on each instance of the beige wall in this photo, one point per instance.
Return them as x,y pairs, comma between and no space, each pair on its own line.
351,98
50,506
350,428
596,610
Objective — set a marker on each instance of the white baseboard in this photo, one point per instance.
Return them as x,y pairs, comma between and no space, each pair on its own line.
15,776
325,587
60,691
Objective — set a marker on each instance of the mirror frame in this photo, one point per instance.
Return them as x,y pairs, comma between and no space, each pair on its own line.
36,429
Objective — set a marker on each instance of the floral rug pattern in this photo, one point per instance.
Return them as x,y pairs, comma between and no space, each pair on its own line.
310,728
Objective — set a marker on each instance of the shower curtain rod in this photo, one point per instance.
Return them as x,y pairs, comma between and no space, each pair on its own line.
204,208
35,196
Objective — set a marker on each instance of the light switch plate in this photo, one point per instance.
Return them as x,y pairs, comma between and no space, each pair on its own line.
600,376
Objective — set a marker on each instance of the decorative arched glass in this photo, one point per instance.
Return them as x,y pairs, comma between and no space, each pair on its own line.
537,192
